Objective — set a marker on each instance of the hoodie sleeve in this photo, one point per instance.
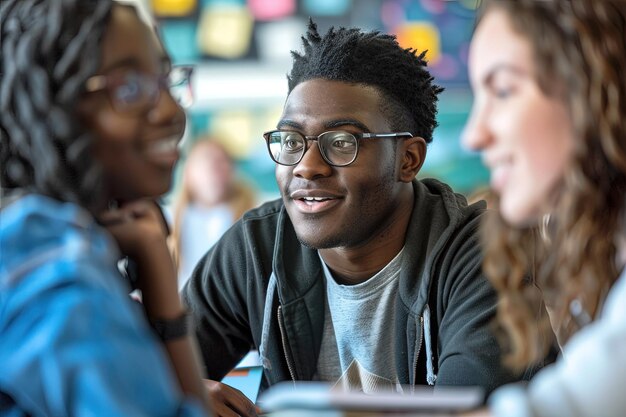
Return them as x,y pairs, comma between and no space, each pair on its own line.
215,294
588,381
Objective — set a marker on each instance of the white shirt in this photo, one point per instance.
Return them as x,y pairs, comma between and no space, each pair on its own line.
588,381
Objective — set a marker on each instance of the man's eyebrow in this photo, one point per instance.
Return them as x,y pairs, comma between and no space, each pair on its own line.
288,123
347,122
328,125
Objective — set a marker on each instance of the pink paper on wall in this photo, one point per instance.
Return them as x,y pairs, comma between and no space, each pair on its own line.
271,9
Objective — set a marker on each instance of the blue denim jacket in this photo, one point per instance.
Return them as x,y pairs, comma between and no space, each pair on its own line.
72,342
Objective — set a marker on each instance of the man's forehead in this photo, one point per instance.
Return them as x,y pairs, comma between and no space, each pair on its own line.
326,97
328,103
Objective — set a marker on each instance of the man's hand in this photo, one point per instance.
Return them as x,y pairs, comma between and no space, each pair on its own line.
228,401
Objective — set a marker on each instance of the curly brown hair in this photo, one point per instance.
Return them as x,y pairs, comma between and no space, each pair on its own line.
579,50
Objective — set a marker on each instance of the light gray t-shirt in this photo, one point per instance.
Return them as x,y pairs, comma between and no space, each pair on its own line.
358,344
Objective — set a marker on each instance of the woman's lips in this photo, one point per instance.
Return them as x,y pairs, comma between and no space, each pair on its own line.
500,174
163,151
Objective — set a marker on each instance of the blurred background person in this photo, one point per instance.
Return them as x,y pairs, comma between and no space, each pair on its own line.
210,199
549,118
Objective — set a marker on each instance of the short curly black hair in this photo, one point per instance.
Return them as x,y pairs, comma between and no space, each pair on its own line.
376,60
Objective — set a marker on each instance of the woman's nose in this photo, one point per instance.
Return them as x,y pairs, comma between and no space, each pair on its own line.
475,134
166,109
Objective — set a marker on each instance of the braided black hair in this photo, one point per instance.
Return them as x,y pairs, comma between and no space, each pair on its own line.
409,96
49,49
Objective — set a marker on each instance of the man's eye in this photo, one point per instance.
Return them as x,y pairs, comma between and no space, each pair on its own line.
343,145
292,144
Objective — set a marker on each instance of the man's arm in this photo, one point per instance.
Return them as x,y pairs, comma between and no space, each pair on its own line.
215,296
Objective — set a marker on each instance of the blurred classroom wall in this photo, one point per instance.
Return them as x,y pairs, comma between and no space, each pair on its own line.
241,50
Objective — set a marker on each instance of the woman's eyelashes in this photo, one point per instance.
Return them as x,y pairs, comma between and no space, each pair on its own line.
502,93
503,84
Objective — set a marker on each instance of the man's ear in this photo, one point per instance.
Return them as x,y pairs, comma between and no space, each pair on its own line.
412,156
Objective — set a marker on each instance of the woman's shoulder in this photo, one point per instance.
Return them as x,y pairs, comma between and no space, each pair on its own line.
51,239
615,304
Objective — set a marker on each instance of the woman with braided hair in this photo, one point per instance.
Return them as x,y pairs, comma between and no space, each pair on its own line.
549,117
89,131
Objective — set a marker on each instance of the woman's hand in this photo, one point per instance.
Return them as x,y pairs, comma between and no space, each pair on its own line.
141,232
136,226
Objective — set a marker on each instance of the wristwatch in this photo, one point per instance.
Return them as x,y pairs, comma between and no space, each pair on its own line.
169,329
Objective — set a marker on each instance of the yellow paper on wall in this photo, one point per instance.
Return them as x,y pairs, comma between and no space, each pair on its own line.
225,31
420,36
235,131
173,8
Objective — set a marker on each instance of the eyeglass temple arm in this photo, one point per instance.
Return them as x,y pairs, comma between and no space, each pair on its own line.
385,135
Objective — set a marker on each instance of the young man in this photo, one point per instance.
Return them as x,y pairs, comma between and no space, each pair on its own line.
360,274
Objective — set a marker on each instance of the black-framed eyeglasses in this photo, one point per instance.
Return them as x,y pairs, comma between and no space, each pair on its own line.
132,91
338,148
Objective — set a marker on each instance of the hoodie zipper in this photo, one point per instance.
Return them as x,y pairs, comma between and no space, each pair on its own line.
417,354
284,342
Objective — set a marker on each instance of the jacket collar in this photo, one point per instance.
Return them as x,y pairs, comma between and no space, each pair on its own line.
437,214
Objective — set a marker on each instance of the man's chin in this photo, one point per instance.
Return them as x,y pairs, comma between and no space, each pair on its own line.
314,242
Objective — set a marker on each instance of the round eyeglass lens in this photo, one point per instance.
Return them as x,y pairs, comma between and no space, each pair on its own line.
339,147
127,90
286,147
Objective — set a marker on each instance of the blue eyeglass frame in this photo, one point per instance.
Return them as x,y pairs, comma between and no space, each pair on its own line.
101,82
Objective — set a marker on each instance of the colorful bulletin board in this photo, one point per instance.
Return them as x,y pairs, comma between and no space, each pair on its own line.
260,34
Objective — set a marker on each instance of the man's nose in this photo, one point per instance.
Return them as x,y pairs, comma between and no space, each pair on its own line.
312,164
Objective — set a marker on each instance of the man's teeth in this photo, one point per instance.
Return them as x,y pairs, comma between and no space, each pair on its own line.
312,199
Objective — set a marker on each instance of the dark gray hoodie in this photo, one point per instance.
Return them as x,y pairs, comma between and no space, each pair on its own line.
258,287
